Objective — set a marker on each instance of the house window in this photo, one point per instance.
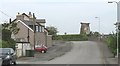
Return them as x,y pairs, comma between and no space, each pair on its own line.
42,29
36,28
39,29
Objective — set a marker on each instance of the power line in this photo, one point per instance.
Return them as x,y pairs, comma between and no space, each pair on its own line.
6,14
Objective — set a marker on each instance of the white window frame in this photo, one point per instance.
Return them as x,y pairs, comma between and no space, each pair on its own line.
36,28
42,29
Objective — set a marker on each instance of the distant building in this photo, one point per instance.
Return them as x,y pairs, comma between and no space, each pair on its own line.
85,29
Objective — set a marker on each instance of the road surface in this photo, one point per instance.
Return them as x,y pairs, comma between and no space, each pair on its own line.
83,52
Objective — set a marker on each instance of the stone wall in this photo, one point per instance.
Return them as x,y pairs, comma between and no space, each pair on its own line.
49,41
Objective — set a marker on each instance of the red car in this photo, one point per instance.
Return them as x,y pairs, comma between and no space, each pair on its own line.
42,49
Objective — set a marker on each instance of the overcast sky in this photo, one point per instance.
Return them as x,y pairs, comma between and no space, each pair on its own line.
66,15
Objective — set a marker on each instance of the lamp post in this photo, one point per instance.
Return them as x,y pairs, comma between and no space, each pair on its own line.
117,24
99,25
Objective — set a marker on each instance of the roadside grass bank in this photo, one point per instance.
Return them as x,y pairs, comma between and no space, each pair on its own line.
111,42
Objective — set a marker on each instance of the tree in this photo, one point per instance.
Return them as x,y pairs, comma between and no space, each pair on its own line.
12,27
119,37
5,26
8,44
7,41
52,30
65,33
7,30
6,34
90,34
119,41
96,34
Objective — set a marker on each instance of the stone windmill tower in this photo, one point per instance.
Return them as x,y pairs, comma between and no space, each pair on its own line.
85,29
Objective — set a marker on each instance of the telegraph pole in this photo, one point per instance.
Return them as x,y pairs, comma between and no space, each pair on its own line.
34,28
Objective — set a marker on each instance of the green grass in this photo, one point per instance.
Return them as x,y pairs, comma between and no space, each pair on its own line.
112,43
0,43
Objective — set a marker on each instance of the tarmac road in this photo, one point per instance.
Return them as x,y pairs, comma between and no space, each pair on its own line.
84,52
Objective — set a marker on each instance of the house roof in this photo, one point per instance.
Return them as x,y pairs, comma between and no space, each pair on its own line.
41,20
37,20
14,20
29,22
25,15
40,24
46,29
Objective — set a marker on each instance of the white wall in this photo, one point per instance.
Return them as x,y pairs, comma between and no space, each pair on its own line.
21,49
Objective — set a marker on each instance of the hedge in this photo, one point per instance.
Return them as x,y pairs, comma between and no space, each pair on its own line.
119,42
72,37
112,43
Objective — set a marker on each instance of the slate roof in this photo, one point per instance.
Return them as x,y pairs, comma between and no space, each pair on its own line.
28,22
41,20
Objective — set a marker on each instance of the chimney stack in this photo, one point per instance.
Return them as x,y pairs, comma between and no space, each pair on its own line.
18,13
30,15
19,16
34,16
10,21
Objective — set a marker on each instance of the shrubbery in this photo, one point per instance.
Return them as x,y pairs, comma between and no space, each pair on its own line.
112,43
6,34
8,44
72,37
119,42
7,41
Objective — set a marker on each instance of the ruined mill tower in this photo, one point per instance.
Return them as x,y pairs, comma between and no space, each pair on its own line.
85,29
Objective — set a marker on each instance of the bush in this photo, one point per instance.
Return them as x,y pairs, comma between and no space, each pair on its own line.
72,37
112,43
0,43
7,41
8,44
6,34
119,38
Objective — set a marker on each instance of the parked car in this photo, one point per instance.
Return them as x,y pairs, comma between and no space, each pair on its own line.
8,56
41,48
